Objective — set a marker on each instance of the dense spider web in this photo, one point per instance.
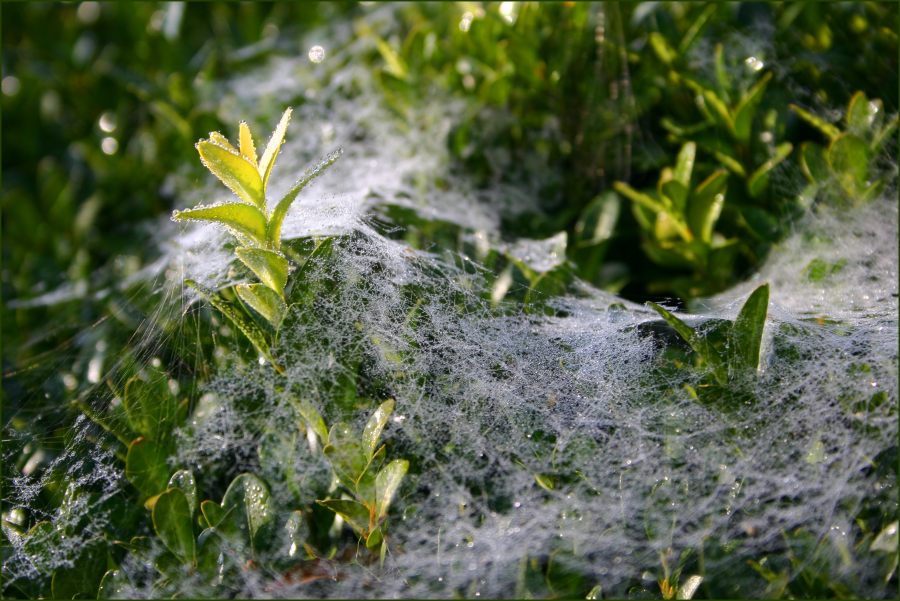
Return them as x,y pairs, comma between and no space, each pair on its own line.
534,436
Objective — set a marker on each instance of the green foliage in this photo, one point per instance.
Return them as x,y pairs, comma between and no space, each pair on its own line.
850,155
738,353
357,466
247,175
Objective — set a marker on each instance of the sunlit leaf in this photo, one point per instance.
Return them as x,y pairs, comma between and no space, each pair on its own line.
848,156
386,484
313,419
233,170
267,161
281,209
173,523
372,431
861,114
269,266
828,129
244,219
684,164
705,205
248,150
264,301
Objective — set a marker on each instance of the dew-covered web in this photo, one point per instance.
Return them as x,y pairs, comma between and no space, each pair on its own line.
533,437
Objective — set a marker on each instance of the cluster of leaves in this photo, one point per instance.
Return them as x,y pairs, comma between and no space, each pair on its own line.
573,110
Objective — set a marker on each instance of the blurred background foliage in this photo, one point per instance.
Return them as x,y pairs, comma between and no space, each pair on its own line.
584,105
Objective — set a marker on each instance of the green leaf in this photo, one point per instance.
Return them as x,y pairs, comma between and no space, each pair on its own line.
348,456
759,179
267,162
813,163
747,331
746,108
372,431
883,134
222,141
354,513
313,419
150,407
598,220
684,164
375,538
183,480
146,466
269,266
661,48
113,585
248,507
861,114
705,205
248,150
297,534
677,195
829,130
730,163
638,197
696,342
172,521
719,109
233,170
264,301
243,219
280,212
848,156
386,483
82,578
693,32
253,333
212,513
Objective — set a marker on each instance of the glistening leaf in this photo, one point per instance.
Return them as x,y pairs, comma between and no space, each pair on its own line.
244,219
173,524
233,170
276,219
248,150
372,431
184,481
269,266
248,508
313,419
264,301
747,331
267,161
386,484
